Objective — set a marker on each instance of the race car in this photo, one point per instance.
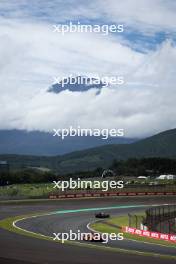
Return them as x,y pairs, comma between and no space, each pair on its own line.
93,237
102,215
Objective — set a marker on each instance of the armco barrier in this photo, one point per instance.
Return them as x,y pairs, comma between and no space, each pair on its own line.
149,234
81,195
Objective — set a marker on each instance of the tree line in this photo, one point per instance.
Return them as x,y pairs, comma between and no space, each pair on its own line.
131,167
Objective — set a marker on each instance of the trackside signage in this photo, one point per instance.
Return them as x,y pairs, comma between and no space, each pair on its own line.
103,194
150,234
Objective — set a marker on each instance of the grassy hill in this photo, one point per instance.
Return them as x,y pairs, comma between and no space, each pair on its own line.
160,145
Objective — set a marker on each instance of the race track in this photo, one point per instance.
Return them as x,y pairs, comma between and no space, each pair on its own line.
31,250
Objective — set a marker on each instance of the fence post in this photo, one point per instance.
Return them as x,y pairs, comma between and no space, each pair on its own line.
129,220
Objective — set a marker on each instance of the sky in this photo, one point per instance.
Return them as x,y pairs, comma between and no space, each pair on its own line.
144,54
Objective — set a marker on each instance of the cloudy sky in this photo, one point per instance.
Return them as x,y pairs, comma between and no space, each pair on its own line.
32,55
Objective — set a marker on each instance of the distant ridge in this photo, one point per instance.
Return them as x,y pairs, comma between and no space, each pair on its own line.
41,143
160,145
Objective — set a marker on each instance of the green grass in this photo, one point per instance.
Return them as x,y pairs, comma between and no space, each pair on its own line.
24,191
42,191
104,228
123,221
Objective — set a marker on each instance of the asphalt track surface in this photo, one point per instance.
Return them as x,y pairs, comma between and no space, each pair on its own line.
15,248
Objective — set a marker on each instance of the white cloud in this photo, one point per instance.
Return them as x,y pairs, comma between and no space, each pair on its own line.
31,55
144,15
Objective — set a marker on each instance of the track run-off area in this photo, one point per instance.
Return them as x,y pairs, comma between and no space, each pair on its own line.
33,225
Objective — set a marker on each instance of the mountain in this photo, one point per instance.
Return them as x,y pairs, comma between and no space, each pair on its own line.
160,145
41,143
77,84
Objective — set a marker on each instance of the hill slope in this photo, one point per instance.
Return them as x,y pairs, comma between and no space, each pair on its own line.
160,145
